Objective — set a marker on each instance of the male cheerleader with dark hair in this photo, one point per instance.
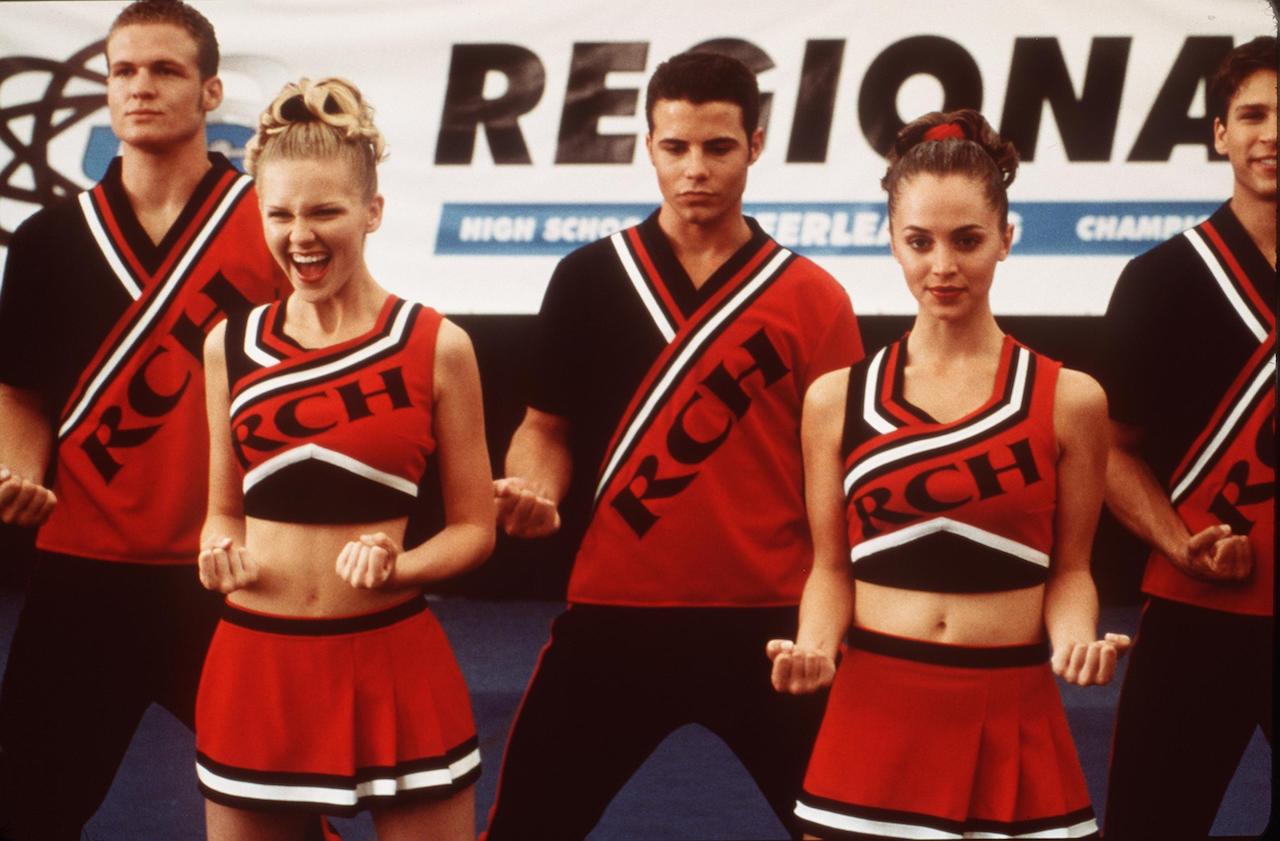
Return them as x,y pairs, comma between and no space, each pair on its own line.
106,300
674,357
1190,373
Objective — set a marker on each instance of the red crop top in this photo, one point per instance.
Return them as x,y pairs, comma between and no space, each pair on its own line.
960,507
337,434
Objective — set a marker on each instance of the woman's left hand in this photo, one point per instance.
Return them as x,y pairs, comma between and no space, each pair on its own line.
1090,663
369,562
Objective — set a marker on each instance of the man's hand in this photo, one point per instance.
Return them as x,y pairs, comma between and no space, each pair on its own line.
799,671
23,502
1215,554
522,511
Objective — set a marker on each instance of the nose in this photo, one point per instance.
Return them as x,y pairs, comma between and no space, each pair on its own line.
944,261
300,232
696,165
142,84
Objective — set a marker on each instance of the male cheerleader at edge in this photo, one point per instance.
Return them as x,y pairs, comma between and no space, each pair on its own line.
673,356
106,300
1190,373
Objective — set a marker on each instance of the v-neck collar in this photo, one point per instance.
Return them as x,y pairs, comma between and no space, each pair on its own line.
151,255
893,394
672,274
289,346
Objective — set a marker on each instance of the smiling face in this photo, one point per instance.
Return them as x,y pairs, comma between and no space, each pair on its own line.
155,94
948,239
316,215
1248,137
701,154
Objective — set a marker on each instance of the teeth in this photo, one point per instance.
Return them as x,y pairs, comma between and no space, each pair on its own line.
309,258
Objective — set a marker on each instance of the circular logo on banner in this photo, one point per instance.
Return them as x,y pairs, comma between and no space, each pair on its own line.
57,134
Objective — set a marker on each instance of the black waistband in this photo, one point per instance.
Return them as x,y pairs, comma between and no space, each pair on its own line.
304,626
971,656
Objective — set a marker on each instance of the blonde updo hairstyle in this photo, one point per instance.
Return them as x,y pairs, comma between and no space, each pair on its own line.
325,119
953,143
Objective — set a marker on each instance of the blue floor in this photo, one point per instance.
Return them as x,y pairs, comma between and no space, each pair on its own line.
691,788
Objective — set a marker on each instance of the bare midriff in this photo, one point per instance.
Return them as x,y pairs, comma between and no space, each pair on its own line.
296,569
1009,617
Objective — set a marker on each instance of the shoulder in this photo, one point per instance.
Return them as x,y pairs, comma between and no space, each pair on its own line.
825,398
1160,265
48,225
453,347
1079,400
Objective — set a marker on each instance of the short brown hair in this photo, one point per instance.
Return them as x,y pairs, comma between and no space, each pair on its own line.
702,76
179,14
1237,65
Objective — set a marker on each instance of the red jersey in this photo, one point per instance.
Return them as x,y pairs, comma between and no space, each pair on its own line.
961,507
699,500
130,466
337,434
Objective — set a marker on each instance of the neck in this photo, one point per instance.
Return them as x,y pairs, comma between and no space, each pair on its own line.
1258,216
350,311
155,179
946,343
700,246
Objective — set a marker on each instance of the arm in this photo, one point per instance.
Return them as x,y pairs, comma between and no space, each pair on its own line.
539,467
1071,599
1142,505
26,444
223,563
465,479
826,606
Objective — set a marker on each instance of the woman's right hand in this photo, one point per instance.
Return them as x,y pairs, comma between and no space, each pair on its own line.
799,671
225,567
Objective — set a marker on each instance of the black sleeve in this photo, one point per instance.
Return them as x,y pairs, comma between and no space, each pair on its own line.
1131,367
556,362
24,304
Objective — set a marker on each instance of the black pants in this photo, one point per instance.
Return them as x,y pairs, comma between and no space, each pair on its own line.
1197,685
614,682
96,643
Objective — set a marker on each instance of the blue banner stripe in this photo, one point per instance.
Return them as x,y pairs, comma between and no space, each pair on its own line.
1084,229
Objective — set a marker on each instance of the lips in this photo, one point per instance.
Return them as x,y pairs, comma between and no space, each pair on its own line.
309,267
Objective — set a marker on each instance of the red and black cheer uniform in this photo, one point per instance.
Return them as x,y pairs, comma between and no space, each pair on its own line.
923,740
688,399
107,328
1191,361
335,714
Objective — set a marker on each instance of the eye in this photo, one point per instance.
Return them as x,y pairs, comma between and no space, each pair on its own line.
918,243
968,243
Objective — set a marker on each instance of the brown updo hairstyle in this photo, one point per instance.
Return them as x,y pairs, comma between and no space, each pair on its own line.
324,119
979,153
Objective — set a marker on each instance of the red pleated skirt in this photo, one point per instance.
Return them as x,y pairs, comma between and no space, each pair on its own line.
332,715
927,741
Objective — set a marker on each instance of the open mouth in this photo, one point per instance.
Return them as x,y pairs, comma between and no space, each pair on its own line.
309,267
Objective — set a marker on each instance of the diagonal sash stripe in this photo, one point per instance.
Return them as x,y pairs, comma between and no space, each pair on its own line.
1016,404
1222,430
152,309
1265,313
662,320
1199,241
132,285
698,336
395,337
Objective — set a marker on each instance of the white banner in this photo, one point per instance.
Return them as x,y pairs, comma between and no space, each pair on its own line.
516,129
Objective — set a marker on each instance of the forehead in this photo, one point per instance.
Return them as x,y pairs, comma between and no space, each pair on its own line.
942,202
1258,88
282,180
140,43
689,120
